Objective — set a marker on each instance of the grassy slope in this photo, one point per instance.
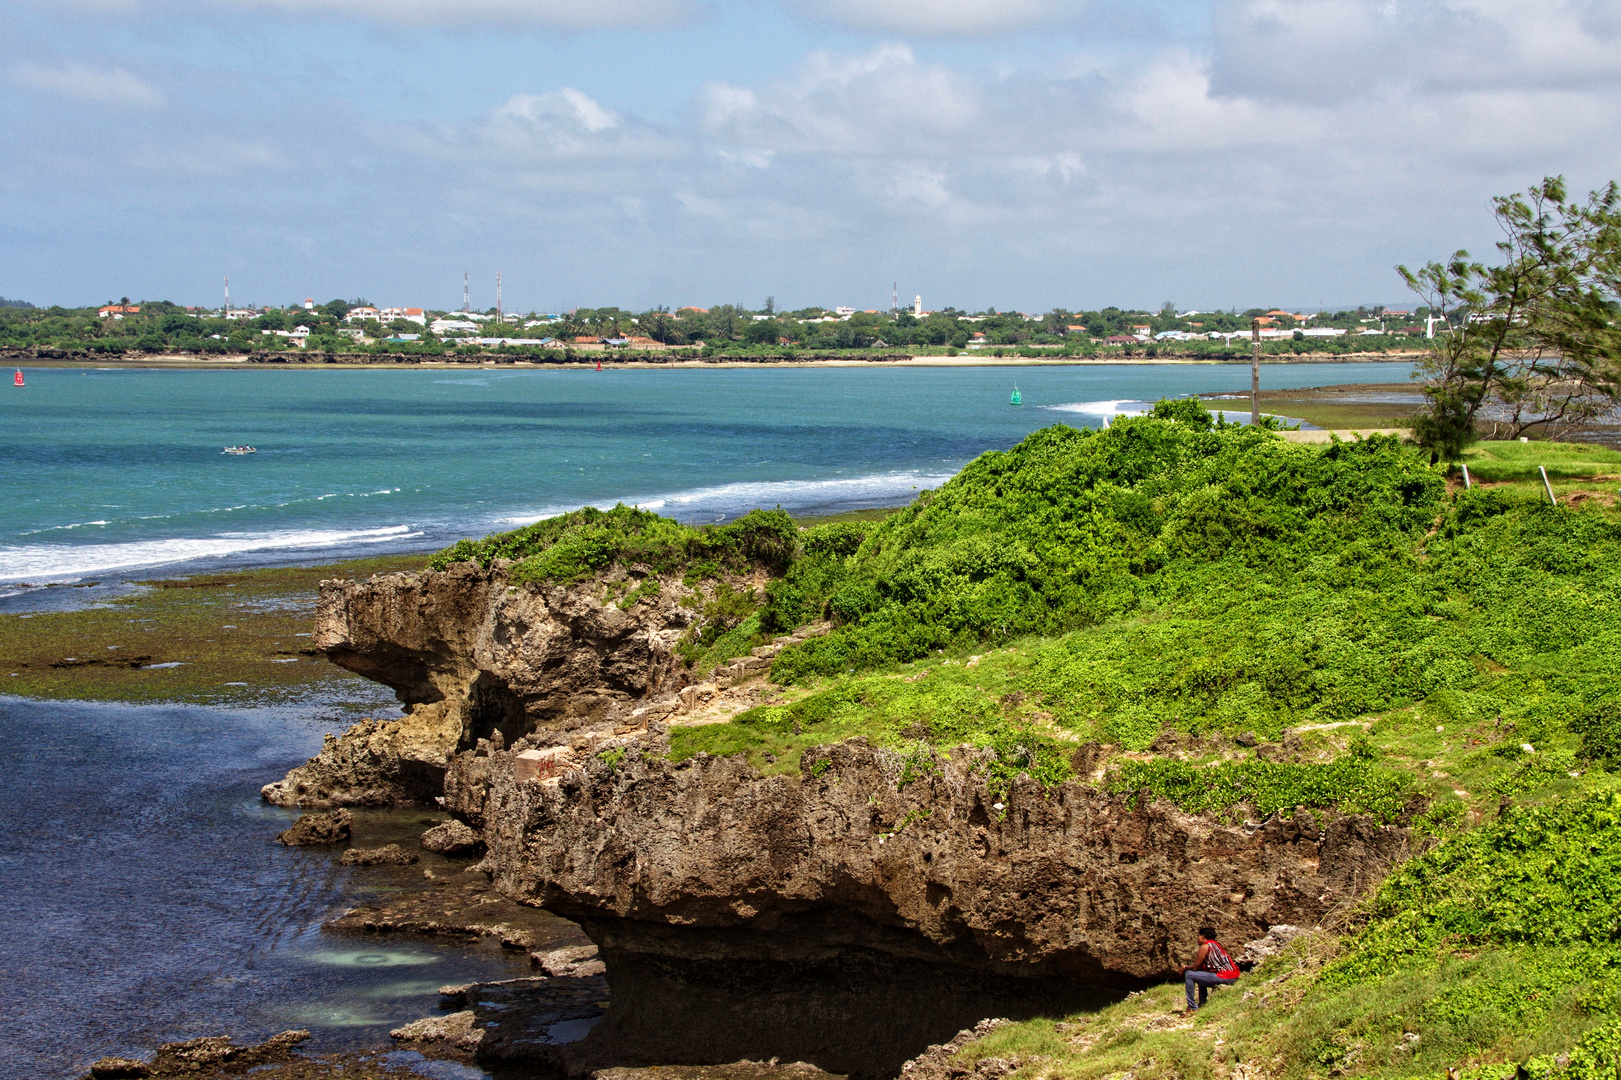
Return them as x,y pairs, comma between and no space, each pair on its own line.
1410,639
249,627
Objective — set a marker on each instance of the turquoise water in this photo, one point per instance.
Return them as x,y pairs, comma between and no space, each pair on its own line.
111,471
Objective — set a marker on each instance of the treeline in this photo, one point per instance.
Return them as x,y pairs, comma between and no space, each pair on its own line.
725,330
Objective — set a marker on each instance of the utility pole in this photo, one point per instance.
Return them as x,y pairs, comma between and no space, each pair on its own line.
1255,371
467,304
227,311
895,299
498,296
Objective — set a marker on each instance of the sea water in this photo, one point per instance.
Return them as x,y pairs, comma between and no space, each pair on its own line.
105,472
144,901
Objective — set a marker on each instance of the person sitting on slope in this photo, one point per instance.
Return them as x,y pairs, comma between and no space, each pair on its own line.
1211,967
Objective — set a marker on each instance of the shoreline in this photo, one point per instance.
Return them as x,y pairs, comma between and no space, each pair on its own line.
350,362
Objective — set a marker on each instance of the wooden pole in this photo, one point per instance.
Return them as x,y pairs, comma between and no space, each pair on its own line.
1255,371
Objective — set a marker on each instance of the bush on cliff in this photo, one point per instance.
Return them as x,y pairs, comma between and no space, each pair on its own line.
576,545
1071,528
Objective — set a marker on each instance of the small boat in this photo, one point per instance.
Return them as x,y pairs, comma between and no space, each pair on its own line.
240,450
1015,399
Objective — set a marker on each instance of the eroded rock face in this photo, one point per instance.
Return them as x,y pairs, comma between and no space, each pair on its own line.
843,919
316,829
469,654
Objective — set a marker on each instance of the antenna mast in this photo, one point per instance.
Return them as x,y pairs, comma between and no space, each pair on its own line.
227,294
895,298
498,296
466,302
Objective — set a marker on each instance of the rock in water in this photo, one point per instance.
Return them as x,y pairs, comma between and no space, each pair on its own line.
310,829
387,855
213,1052
458,1030
451,838
577,961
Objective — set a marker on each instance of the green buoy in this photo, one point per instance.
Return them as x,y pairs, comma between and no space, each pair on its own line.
1015,399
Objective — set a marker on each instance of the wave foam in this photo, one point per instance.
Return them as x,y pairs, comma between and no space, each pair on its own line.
68,562
729,500
1103,410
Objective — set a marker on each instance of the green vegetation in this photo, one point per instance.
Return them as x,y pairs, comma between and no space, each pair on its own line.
334,331
576,545
232,638
1339,628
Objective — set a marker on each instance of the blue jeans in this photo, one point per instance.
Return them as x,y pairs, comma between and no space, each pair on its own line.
1202,981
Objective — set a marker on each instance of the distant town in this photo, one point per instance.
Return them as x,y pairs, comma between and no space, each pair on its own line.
360,326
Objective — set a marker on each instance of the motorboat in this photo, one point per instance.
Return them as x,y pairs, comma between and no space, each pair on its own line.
240,450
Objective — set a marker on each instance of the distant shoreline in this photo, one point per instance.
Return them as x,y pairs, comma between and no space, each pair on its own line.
317,362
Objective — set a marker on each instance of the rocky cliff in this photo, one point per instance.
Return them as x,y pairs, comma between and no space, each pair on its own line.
846,918
468,653
471,654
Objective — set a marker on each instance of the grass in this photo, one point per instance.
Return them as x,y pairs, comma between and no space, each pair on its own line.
235,637
1506,462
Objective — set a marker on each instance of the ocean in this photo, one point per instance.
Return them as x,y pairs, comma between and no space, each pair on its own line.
106,471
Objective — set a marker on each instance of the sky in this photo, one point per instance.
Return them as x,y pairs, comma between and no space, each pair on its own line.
1021,154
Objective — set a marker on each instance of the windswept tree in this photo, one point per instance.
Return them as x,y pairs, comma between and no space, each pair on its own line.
1531,345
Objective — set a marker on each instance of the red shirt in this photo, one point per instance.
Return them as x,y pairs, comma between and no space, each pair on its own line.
1216,960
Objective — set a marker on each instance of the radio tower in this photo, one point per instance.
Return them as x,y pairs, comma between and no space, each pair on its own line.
895,298
498,296
466,302
227,295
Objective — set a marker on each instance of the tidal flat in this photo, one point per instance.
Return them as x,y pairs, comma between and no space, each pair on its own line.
238,638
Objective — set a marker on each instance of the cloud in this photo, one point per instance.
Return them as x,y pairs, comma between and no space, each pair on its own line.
451,14
936,18
563,14
100,85
878,103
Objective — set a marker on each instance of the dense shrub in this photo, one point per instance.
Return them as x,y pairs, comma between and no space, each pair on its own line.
1071,528
581,543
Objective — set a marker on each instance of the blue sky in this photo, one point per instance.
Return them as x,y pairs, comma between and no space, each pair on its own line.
1018,153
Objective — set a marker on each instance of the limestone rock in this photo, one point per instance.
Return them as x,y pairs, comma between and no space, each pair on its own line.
1269,945
850,920
458,1029
374,763
470,654
451,838
387,855
211,1053
574,962
313,829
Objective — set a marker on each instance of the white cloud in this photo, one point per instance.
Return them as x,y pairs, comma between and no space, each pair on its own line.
936,18
559,14
879,103
101,85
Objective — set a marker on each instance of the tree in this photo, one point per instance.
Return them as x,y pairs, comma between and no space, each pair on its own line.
1532,344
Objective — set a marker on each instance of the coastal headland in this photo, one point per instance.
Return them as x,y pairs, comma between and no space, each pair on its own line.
828,795
887,795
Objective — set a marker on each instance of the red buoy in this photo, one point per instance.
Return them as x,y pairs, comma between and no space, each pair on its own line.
20,374
18,381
